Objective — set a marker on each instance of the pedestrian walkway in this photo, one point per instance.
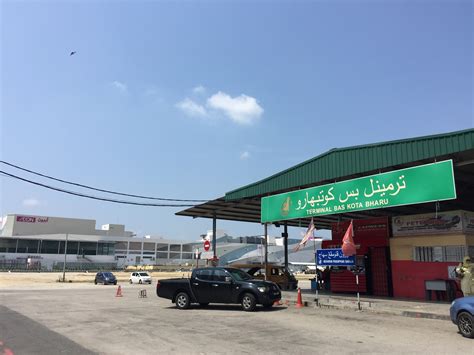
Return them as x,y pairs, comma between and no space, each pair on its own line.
407,308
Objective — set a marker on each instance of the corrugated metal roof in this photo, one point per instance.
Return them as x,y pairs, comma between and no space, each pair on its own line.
344,162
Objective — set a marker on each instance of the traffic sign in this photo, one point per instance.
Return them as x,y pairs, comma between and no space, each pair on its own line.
207,245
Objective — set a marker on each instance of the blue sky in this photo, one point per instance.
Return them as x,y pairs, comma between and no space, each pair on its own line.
193,99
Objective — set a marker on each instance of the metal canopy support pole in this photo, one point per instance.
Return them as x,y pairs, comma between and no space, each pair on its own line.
214,239
285,241
266,249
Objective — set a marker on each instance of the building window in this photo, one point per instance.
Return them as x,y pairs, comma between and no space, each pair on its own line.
175,247
450,253
135,246
187,256
121,245
162,255
149,246
9,245
27,246
162,247
49,247
175,255
87,248
187,248
105,249
72,247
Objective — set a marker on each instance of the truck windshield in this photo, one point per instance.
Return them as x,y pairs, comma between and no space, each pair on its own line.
239,275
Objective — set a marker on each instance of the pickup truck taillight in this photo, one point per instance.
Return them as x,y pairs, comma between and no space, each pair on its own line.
158,284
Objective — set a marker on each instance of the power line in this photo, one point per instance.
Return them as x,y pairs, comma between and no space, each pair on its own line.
93,197
97,189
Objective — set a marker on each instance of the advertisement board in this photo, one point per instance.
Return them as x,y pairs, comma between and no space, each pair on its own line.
450,222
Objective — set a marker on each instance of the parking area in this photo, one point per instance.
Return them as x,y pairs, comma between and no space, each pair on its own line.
81,318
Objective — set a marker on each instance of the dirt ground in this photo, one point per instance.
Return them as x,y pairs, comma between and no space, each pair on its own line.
28,278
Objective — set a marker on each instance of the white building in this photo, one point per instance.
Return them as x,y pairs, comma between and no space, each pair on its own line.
39,242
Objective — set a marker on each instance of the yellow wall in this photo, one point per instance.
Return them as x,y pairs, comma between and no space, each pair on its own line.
401,248
470,239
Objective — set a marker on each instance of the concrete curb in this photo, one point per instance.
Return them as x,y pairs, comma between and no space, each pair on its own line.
367,307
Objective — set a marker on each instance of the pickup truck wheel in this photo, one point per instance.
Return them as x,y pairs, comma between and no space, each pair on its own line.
248,302
182,300
466,324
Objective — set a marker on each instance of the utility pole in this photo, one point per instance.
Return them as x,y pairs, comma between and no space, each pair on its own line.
65,254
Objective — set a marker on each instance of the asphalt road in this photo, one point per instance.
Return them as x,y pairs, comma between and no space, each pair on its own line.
88,318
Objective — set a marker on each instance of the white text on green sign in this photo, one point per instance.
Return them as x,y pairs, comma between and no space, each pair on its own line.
424,183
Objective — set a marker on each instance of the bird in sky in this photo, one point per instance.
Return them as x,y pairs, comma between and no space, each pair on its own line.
72,53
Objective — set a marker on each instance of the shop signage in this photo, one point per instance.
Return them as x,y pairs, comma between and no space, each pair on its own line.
29,219
333,257
468,222
424,183
450,222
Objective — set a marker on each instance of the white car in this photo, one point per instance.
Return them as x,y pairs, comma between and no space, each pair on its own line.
140,278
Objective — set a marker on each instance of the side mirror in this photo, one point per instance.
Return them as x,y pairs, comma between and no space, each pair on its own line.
228,279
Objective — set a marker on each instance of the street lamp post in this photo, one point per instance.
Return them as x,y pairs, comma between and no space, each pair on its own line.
65,254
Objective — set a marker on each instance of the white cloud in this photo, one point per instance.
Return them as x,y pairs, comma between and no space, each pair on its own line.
120,86
30,202
199,89
245,155
241,109
191,108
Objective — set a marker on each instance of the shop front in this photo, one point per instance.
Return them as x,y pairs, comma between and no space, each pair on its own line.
425,249
372,263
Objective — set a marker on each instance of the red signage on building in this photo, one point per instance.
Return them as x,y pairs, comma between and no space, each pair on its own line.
26,219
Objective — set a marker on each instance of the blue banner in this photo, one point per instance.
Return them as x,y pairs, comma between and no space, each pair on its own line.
333,257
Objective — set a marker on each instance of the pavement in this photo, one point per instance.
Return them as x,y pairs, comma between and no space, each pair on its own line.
380,305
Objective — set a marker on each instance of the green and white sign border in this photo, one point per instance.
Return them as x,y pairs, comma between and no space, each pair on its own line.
265,201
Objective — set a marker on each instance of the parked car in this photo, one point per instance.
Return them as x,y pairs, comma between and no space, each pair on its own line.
219,285
140,278
462,314
105,278
278,274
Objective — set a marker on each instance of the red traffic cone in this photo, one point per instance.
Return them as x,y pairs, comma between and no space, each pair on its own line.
119,292
299,301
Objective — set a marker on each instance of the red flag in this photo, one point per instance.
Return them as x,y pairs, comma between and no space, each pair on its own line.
348,245
307,236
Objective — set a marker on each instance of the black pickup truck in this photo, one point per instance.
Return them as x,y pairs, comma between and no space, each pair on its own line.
219,285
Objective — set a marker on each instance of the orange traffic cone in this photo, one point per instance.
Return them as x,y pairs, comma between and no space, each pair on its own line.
299,301
119,292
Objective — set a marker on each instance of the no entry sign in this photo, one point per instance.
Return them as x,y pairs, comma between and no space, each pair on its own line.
207,245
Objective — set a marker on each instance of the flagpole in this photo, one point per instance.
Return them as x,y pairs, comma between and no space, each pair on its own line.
358,296
357,275
316,272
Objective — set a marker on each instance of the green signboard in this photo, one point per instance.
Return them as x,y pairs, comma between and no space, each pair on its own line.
424,183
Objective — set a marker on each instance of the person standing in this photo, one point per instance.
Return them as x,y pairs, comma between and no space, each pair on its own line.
465,271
